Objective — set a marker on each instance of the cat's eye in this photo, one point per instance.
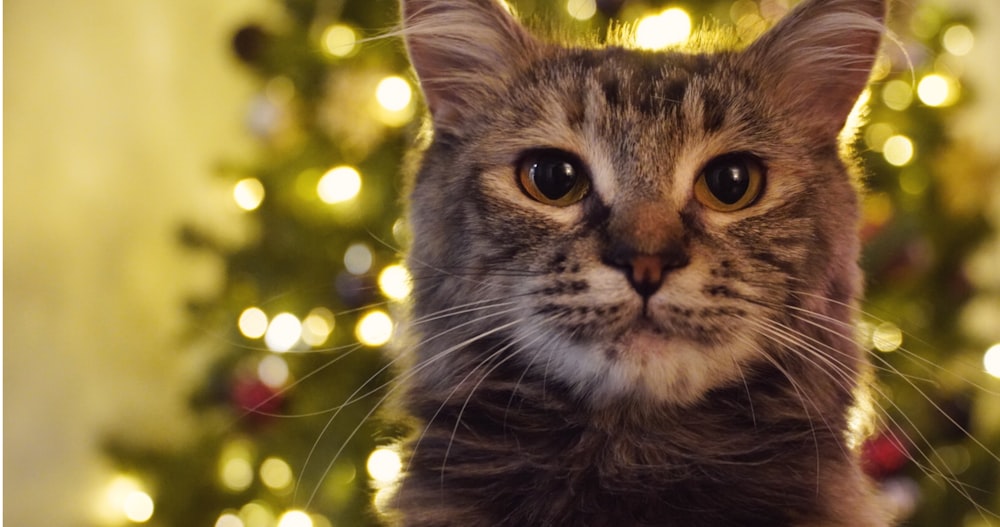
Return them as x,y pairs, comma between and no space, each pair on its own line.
730,182
553,177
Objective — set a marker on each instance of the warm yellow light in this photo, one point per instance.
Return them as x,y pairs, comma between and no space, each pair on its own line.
958,40
394,281
913,182
897,94
876,135
295,519
228,519
991,360
339,184
248,193
887,337
898,150
253,323
374,328
273,371
126,499
358,258
236,474
257,513
936,90
581,9
384,465
339,40
394,93
283,333
317,326
275,473
670,27
138,507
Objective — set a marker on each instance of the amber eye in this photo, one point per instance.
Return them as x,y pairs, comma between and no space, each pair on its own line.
730,182
553,177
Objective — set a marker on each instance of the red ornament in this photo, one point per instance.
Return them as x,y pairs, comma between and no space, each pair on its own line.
258,401
883,455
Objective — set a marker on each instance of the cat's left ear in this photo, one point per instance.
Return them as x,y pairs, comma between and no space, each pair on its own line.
819,57
460,49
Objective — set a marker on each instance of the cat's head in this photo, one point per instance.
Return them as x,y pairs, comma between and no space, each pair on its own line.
631,222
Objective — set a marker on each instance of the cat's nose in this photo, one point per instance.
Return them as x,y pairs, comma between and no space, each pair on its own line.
646,272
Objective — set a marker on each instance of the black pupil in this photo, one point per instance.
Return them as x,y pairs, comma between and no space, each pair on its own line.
728,181
553,177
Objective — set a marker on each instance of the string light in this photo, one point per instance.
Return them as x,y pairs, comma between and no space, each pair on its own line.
235,468
394,281
257,514
358,258
374,328
897,94
125,499
384,466
958,40
317,326
671,27
393,93
228,519
138,506
581,9
339,184
253,323
937,90
248,193
273,371
295,518
887,337
276,474
991,360
898,150
339,40
876,135
283,333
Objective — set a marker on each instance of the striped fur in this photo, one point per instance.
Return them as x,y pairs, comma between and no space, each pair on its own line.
542,388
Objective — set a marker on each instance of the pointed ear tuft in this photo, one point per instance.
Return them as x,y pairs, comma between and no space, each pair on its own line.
819,57
459,48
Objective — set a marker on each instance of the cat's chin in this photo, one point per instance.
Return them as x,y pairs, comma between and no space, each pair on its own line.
643,363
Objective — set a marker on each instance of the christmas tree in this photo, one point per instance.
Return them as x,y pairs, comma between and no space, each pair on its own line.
290,434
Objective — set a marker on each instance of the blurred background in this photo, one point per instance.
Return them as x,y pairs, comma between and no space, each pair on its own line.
202,236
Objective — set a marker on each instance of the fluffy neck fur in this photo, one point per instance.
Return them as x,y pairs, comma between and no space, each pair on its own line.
532,402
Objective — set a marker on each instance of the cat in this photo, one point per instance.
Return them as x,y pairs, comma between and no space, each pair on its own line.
635,276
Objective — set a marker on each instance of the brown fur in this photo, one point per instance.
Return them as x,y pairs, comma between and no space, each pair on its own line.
636,358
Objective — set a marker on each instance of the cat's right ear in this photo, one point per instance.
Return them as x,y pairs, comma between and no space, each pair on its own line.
459,49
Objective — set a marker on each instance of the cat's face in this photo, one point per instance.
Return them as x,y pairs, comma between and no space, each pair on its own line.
633,223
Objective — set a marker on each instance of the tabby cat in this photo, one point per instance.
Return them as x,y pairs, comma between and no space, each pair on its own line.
635,274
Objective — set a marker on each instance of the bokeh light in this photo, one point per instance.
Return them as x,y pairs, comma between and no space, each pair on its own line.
394,93
384,465
273,371
248,193
228,519
295,518
581,9
394,281
317,326
991,360
671,27
898,150
958,40
887,337
339,40
339,184
937,90
374,328
358,258
253,323
276,474
283,333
